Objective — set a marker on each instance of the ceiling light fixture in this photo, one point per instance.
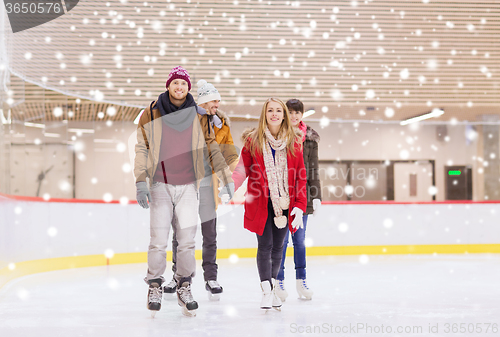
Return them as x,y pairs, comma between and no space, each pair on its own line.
81,130
34,125
52,135
309,113
434,113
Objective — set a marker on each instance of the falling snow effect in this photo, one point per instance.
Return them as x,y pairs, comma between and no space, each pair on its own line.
365,67
348,33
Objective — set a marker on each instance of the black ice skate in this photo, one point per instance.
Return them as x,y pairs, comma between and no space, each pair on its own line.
155,293
170,288
214,290
185,300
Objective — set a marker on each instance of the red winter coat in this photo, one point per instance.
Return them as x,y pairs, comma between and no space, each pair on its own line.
257,195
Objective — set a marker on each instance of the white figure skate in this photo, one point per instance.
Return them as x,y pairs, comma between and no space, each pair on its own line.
303,290
276,299
280,290
267,296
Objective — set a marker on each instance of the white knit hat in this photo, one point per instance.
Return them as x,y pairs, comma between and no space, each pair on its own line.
207,92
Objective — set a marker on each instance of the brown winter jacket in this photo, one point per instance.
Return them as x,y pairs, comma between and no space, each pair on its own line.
225,140
147,149
312,167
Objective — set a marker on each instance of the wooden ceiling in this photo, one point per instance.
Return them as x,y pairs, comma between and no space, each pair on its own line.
339,57
42,105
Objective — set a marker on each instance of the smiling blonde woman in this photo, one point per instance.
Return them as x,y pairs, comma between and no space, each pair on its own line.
276,192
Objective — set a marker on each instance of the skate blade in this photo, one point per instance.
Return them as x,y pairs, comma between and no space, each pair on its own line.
213,297
188,313
277,308
303,298
153,313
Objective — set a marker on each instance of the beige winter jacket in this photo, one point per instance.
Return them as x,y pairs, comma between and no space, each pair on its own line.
147,149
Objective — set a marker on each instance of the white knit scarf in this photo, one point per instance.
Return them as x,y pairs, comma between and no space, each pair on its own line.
277,176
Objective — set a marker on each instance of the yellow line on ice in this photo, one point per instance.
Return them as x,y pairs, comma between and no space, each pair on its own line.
44,265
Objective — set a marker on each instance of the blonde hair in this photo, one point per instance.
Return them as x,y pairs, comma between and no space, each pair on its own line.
257,138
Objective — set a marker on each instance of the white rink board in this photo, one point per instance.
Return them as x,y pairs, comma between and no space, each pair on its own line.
92,228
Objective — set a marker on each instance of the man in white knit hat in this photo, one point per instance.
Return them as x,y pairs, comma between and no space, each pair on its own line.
209,99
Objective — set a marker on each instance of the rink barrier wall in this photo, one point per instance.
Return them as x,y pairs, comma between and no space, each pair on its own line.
84,232
372,202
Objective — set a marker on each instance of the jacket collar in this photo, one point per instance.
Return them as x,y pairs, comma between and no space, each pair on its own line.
224,117
312,135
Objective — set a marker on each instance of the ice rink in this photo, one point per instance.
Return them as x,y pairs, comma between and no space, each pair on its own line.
351,294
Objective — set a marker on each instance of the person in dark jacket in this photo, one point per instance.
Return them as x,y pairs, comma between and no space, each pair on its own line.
310,150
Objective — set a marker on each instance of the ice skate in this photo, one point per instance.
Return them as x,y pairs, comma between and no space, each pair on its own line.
276,299
303,290
185,300
214,290
280,290
267,296
170,288
155,293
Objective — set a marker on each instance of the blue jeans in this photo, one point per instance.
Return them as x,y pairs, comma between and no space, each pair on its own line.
299,252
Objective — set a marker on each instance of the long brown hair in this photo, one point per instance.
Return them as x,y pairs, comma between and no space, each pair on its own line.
257,138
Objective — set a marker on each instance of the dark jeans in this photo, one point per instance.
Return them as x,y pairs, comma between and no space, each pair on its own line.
299,252
270,246
208,218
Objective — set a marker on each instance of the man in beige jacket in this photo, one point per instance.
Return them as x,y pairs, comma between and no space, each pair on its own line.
209,99
173,141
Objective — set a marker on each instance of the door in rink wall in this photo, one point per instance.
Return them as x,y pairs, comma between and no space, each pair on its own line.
369,181
412,181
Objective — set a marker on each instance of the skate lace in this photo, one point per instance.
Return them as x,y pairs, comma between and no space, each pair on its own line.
304,285
172,284
213,284
155,294
185,294
281,284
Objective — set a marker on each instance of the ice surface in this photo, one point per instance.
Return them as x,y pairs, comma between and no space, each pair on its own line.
406,291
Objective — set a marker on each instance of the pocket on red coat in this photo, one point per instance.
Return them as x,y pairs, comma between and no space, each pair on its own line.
251,206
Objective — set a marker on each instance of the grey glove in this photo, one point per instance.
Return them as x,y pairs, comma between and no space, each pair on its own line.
227,192
143,195
217,121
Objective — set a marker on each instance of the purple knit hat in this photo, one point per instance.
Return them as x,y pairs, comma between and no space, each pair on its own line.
179,72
